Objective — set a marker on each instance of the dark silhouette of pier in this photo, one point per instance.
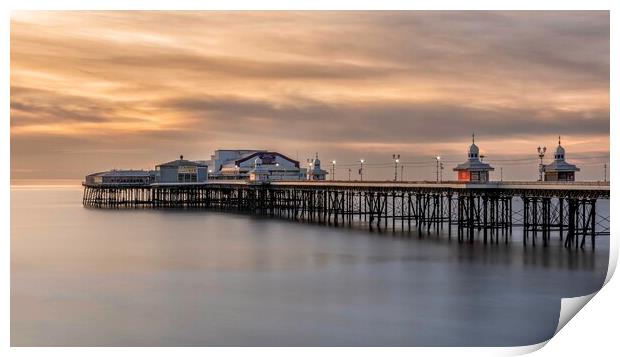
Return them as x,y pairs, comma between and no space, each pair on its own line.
566,210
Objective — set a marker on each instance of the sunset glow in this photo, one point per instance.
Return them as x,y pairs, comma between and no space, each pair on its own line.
96,90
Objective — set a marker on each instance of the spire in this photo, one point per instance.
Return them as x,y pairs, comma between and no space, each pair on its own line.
316,155
559,140
473,138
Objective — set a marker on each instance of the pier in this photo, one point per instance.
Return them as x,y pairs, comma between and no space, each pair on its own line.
484,211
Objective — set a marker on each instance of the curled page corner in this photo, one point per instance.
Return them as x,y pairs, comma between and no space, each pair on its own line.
523,350
570,307
613,260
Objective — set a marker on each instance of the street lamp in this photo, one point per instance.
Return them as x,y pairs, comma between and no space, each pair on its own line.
396,159
437,172
349,174
333,170
361,170
541,167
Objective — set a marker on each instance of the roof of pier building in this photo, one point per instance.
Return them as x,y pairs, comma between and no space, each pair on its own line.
182,162
473,162
266,157
123,173
559,163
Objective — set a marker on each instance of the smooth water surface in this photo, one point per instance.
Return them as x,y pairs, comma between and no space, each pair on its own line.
94,277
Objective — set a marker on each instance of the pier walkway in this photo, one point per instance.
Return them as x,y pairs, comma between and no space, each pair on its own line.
566,210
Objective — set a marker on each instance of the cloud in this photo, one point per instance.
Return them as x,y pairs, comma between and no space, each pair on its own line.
399,121
337,82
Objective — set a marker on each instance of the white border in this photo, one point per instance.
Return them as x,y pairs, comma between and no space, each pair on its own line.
592,330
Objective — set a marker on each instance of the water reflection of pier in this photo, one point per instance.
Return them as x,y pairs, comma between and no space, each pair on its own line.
564,210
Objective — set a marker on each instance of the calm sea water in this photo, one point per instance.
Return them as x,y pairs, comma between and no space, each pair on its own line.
89,277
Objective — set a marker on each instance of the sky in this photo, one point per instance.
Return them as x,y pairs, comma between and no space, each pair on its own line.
92,91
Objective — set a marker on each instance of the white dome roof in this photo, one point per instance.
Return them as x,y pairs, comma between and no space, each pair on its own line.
559,151
473,149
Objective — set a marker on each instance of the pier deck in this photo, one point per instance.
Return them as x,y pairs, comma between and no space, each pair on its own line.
563,210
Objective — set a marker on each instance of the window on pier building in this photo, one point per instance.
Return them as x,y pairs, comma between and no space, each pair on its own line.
187,177
464,175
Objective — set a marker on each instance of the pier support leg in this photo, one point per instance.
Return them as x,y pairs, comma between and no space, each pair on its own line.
449,202
593,222
485,212
526,214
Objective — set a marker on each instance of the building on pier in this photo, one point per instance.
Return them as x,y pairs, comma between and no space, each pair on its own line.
182,171
122,177
473,170
277,166
559,169
222,157
315,173
271,170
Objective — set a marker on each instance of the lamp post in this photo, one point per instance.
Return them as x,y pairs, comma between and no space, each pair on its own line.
440,171
501,174
362,170
309,169
541,167
333,170
438,158
605,173
402,169
396,159
349,174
